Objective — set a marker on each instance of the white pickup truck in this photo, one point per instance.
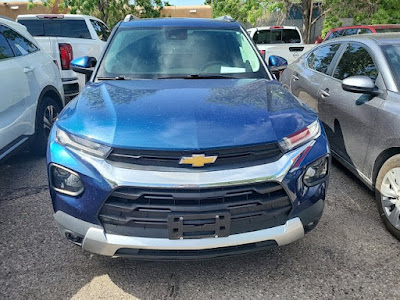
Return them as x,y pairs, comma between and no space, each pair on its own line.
66,37
284,41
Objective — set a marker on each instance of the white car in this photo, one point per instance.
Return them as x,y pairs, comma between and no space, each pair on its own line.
66,36
31,90
285,41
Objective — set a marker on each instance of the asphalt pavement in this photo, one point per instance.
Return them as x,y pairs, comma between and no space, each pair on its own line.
349,255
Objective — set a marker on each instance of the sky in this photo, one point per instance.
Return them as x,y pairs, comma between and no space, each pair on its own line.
186,2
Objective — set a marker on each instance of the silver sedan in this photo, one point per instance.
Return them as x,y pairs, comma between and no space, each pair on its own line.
354,85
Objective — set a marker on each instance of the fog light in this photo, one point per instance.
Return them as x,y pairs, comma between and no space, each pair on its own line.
65,181
316,172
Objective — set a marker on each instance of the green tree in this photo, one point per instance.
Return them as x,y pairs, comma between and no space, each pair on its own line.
362,11
245,11
109,11
250,11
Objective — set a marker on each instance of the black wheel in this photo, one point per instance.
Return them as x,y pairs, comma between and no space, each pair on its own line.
47,112
387,194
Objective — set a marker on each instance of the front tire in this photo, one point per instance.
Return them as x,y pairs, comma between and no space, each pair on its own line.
47,112
387,194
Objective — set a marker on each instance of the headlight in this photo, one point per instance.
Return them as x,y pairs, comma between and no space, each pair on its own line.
65,181
316,171
301,137
72,141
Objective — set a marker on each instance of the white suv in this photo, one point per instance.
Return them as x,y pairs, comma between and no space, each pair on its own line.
31,90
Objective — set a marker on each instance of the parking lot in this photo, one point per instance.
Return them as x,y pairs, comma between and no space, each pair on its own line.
348,255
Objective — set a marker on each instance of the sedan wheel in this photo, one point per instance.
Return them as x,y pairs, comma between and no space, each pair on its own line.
390,196
387,194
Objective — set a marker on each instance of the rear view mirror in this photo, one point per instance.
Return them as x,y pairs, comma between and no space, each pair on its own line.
84,65
358,84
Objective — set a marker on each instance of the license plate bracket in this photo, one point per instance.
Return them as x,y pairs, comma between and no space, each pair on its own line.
195,226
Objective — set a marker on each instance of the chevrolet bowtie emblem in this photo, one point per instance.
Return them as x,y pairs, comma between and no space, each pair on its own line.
198,160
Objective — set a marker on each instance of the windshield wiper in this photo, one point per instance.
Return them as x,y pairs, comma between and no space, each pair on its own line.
198,76
114,78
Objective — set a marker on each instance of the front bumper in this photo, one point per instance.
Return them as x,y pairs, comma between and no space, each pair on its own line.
97,241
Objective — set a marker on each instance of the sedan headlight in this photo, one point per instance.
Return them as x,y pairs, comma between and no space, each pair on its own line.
301,137
84,145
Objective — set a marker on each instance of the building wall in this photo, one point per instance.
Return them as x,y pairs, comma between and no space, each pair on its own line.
201,11
13,9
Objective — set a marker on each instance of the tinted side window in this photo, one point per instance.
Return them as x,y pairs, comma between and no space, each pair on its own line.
364,31
5,49
356,61
321,58
350,31
19,45
101,29
62,28
336,34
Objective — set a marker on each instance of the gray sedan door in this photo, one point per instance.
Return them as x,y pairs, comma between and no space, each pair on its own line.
349,117
308,75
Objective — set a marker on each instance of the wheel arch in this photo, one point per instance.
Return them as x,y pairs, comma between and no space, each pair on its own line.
53,93
380,160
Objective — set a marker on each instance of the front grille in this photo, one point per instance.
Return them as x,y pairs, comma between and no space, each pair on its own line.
230,156
148,212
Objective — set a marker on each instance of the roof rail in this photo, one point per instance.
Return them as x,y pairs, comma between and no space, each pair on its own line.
7,18
130,17
225,18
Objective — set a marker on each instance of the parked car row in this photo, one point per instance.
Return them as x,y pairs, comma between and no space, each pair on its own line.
175,149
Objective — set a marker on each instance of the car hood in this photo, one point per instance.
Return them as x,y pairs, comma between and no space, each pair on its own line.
183,114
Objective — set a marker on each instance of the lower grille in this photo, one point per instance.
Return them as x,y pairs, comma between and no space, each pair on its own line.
194,254
145,212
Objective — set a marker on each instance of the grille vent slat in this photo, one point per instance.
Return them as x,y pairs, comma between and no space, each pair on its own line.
226,156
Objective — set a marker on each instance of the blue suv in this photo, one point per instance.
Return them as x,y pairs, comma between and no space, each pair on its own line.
182,146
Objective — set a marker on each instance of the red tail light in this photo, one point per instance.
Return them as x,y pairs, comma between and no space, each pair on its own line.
262,52
66,56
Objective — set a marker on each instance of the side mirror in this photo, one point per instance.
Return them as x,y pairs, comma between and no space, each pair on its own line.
84,65
276,65
359,84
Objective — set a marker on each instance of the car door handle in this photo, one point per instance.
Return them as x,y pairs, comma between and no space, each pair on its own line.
325,93
295,77
28,69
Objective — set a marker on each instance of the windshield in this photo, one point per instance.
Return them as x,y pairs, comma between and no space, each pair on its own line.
180,52
392,54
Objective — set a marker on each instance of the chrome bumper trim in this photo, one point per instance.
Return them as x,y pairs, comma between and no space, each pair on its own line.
119,176
97,241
